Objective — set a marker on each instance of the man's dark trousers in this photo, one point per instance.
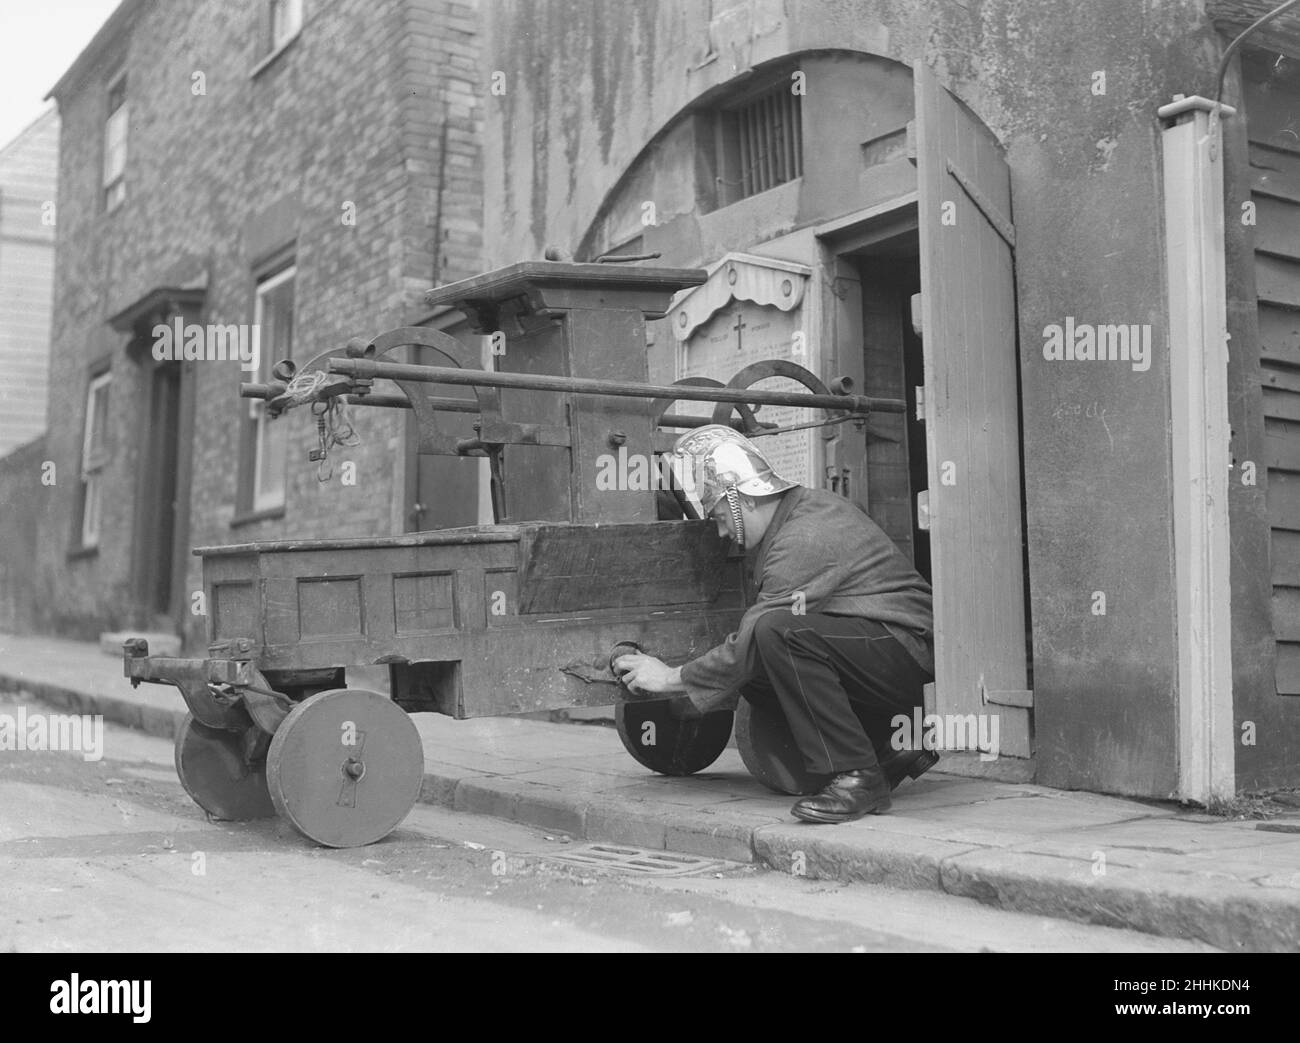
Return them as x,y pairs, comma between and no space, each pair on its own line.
838,680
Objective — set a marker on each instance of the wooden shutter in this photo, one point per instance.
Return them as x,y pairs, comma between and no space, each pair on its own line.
968,331
1275,191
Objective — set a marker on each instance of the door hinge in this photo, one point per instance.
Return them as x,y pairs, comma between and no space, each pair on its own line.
1020,697
923,510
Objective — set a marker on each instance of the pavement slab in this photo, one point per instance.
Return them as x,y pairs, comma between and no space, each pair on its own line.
1085,857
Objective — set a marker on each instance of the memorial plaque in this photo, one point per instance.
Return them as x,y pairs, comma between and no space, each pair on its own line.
751,312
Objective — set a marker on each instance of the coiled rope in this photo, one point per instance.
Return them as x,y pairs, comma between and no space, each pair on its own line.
333,420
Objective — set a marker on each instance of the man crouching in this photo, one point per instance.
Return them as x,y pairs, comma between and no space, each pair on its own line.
839,637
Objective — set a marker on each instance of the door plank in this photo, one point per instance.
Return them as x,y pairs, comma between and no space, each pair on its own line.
1278,378
1286,613
969,323
1288,669
1277,227
1281,445
1284,501
1279,338
1278,281
1274,169
1281,405
1284,556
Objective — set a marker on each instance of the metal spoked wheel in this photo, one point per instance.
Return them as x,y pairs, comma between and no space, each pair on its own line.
345,767
217,771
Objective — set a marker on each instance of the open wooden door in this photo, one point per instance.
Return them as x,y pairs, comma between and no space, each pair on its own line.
971,403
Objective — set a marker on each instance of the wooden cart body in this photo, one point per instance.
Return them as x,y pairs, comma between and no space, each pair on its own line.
473,622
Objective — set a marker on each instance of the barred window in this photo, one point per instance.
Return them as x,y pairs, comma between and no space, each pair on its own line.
758,143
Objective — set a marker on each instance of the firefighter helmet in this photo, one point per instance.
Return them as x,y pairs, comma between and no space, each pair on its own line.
722,460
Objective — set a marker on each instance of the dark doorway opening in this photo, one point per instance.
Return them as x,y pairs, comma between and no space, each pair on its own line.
161,540
896,464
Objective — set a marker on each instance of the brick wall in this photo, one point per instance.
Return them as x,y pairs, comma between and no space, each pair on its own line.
349,113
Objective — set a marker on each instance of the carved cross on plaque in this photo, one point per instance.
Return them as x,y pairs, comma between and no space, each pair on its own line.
749,311
739,327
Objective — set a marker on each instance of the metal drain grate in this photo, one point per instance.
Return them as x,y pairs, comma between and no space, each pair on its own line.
619,859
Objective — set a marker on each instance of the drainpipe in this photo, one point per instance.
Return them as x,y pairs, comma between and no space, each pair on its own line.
1198,374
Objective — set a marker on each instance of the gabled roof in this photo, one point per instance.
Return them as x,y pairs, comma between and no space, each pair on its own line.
122,18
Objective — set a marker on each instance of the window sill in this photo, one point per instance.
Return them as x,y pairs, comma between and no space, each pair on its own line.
270,58
78,553
786,185
251,517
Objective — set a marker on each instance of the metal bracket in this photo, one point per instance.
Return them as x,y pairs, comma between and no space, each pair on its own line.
1022,698
986,206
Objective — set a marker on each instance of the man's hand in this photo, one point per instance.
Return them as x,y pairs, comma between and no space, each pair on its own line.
645,673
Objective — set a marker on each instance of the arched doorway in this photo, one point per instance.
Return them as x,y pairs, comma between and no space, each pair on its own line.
896,201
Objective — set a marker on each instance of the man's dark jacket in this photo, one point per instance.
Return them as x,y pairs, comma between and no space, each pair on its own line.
825,548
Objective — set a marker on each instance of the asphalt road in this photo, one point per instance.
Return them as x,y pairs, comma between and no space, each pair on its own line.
112,856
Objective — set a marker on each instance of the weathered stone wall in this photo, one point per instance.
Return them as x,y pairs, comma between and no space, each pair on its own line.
589,87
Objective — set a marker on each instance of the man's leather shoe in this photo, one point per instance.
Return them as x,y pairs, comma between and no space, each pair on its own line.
906,764
849,795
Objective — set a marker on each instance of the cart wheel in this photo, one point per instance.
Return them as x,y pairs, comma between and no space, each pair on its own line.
672,745
768,750
345,767
215,772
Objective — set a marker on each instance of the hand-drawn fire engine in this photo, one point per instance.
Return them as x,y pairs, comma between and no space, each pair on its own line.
514,617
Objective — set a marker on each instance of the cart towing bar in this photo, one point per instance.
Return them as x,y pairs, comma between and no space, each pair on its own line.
371,370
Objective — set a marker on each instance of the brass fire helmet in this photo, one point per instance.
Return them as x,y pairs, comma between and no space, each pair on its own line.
722,462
